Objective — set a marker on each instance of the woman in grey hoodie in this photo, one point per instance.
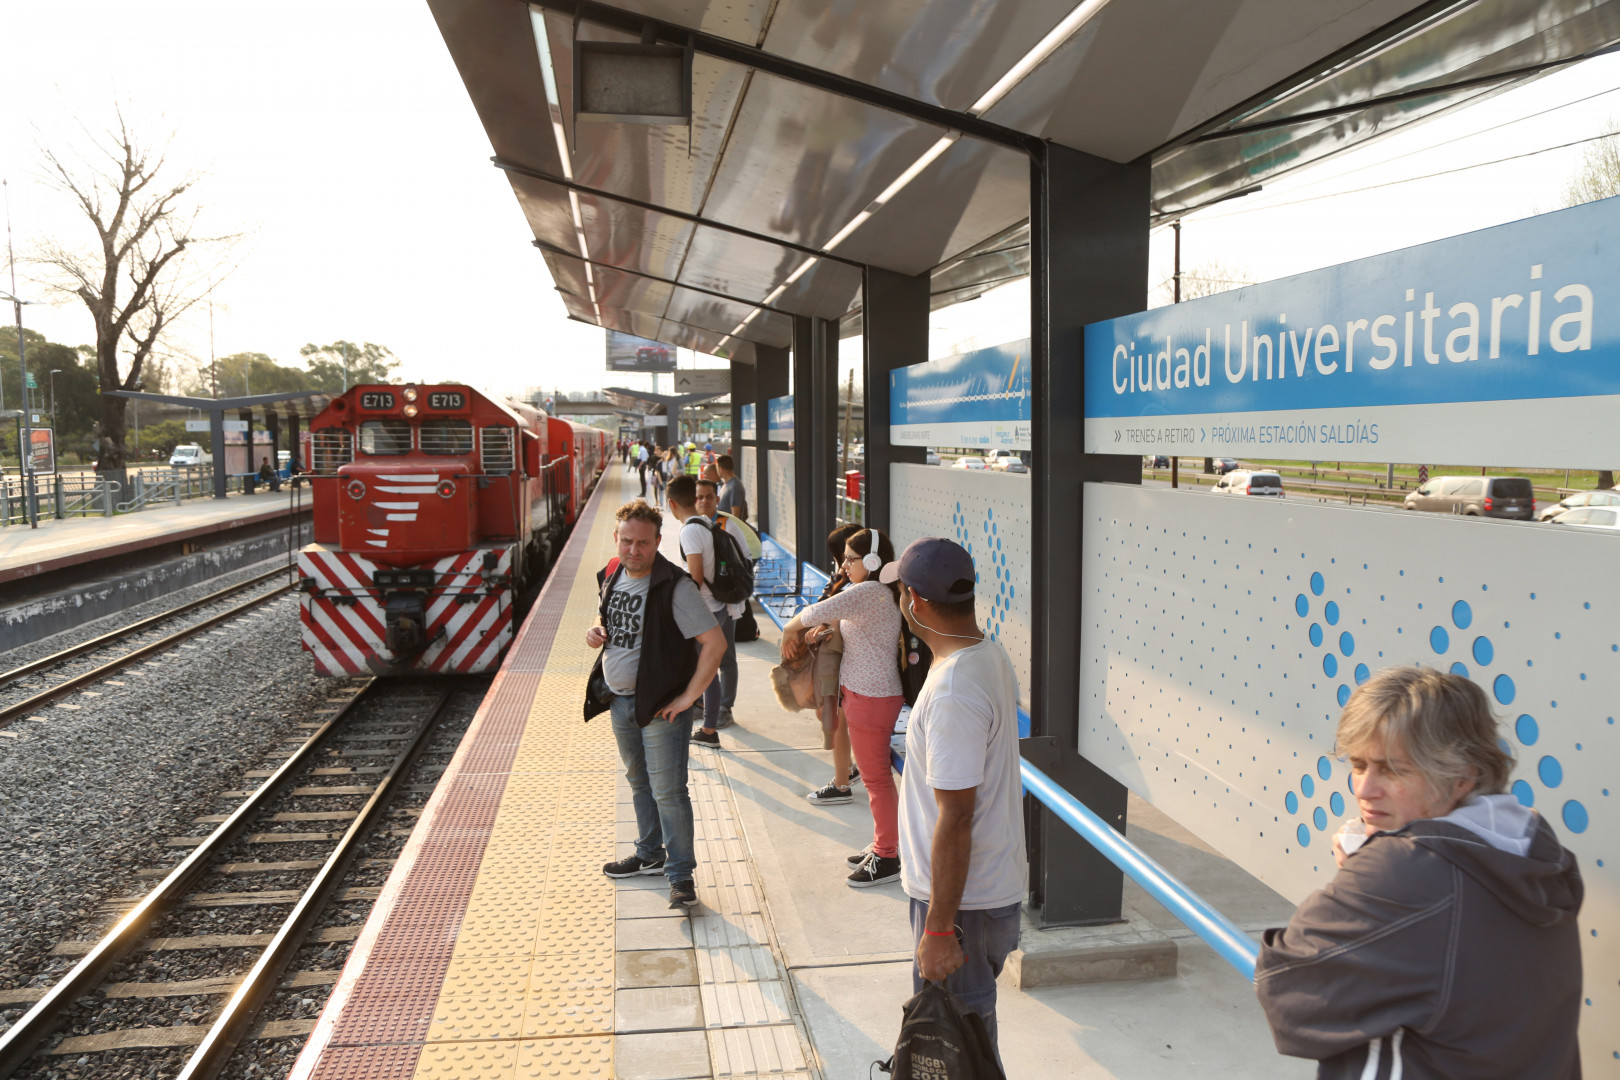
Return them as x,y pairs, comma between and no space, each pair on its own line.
1446,946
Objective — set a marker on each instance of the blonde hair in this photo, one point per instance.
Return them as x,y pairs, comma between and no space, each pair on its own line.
641,510
1442,722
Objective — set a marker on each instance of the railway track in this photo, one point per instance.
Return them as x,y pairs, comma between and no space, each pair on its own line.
82,665
241,936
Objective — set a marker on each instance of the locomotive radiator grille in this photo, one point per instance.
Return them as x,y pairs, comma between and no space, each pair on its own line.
331,449
498,452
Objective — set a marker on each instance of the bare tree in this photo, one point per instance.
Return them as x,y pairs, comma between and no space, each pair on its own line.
142,273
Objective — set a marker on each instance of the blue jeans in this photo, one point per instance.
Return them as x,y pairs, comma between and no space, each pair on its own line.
987,937
655,764
722,691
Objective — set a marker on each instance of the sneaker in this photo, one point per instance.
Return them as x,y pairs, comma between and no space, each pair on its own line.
830,793
632,865
876,870
860,856
726,719
706,738
682,894
854,775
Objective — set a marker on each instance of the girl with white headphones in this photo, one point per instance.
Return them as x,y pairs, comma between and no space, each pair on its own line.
867,613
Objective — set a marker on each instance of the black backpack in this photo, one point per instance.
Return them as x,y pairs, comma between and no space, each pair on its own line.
940,1041
733,573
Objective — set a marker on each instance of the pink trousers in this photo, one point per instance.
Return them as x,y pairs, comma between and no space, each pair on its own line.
871,725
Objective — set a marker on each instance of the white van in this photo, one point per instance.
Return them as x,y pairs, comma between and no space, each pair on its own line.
187,455
1247,482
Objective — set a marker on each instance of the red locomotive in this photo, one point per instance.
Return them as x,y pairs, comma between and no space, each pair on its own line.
437,510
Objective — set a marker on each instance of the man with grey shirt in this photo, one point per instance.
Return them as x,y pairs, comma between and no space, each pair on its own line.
962,853
660,648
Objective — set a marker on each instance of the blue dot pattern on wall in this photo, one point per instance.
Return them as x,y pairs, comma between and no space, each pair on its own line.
1214,672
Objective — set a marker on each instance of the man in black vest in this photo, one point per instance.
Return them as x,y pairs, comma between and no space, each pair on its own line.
661,648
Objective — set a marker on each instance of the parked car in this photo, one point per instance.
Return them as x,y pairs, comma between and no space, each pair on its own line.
1224,465
187,455
933,456
1591,517
1476,496
968,461
1577,500
1245,482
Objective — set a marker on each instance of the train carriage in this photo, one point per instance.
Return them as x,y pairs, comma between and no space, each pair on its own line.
437,511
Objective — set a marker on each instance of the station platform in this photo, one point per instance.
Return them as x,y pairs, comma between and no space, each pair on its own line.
498,949
59,544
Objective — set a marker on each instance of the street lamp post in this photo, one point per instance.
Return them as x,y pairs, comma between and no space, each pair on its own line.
56,435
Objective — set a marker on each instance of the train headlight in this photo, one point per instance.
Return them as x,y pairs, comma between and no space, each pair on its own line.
446,488
356,489
410,393
409,410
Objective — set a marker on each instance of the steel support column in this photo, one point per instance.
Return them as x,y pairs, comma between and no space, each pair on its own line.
770,380
216,446
1088,261
743,393
815,420
895,319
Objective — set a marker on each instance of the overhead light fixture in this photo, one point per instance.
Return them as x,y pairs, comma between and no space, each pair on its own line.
632,82
548,74
1037,56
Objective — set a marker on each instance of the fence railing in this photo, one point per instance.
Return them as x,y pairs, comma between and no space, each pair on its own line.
87,494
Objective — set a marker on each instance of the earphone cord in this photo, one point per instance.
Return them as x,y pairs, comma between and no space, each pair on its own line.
941,633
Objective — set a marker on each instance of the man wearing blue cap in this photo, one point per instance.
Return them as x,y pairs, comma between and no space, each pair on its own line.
961,816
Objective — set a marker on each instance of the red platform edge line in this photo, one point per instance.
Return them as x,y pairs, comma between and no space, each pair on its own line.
377,1017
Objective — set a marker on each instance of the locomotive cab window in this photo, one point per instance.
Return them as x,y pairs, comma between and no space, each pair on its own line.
447,437
385,438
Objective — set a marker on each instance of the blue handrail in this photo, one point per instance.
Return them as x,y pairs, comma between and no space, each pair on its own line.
1230,943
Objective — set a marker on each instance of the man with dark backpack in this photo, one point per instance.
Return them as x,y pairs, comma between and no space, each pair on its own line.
724,578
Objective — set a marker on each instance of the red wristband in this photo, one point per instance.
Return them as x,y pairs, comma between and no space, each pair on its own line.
939,933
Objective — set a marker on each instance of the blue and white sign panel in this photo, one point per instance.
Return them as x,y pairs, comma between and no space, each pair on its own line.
1498,347
977,399
750,427
779,419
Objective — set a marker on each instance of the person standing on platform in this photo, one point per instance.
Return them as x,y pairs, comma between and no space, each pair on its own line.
660,648
961,814
641,467
687,500
867,615
733,500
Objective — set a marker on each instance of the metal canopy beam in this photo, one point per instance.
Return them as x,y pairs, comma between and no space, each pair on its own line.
630,22
710,223
564,253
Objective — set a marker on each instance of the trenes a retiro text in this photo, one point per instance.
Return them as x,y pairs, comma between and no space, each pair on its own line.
1424,332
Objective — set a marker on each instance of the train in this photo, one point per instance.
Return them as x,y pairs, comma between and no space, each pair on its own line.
437,511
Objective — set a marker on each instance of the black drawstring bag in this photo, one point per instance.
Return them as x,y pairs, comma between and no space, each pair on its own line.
939,1040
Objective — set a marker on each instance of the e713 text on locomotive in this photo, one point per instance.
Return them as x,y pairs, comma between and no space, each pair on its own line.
437,512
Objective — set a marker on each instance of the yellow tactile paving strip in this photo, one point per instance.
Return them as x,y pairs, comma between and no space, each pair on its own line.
529,989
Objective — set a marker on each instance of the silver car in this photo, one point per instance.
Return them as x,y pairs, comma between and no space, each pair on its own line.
1578,500
1606,518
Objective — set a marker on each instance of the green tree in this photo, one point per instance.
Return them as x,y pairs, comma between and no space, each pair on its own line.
249,373
336,367
78,400
165,436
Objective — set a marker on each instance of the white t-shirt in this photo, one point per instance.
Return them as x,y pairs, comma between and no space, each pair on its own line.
696,538
964,734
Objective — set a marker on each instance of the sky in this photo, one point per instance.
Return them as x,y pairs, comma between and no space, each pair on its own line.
338,139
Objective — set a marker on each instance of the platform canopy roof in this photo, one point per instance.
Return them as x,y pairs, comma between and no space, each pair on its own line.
831,134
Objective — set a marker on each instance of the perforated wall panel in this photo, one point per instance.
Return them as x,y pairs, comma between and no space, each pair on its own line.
749,475
987,513
1222,635
784,511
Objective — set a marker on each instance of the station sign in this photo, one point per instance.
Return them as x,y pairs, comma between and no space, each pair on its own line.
238,426
1496,347
708,381
779,419
750,427
977,399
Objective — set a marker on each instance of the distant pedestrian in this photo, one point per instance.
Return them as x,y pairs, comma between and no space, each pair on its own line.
733,499
641,466
1446,945
961,814
660,648
692,503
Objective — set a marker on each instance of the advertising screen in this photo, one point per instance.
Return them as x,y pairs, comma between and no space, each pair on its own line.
626,352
